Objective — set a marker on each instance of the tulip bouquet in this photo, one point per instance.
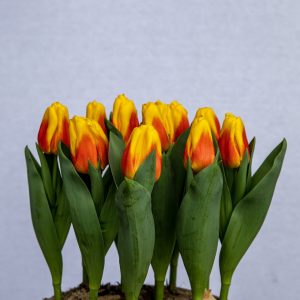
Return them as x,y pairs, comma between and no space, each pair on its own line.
156,189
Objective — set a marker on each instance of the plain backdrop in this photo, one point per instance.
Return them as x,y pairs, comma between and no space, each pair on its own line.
238,56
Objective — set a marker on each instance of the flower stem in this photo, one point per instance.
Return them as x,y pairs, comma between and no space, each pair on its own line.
93,294
57,291
173,270
85,278
159,289
224,291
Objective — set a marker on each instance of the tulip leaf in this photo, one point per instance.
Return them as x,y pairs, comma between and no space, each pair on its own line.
115,153
97,188
62,219
240,181
164,208
112,129
85,221
136,235
249,173
226,206
109,221
46,176
145,174
176,156
249,214
198,226
189,174
42,219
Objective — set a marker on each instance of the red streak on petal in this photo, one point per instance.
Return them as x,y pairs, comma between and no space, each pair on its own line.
204,153
158,125
85,152
42,140
183,126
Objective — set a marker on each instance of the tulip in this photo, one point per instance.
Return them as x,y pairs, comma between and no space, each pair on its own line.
143,140
54,128
233,141
209,114
124,116
88,142
159,116
199,145
96,111
180,118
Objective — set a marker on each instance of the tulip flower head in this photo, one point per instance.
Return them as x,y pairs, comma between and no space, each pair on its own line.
143,140
88,142
209,114
199,145
124,116
54,128
159,115
96,111
180,118
233,141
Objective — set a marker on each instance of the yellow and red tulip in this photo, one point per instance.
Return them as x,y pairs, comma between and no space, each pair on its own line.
180,118
143,140
96,111
88,142
233,141
199,145
124,116
209,114
54,128
159,116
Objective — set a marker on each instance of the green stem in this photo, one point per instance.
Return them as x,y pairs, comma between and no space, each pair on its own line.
85,278
173,270
130,296
197,294
57,291
159,289
93,294
224,291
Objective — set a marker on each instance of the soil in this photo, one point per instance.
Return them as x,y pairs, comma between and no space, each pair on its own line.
113,292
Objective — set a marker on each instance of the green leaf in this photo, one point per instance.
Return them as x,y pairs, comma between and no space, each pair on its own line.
164,208
189,175
145,174
136,235
97,188
226,206
46,176
62,218
249,214
176,156
198,226
112,129
109,220
249,173
240,181
115,153
42,219
85,221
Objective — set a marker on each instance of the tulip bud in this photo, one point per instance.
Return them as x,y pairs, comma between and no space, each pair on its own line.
199,145
233,141
143,140
88,142
209,114
54,128
124,116
96,111
180,119
159,116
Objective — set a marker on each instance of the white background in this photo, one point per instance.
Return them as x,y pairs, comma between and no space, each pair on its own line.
238,56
